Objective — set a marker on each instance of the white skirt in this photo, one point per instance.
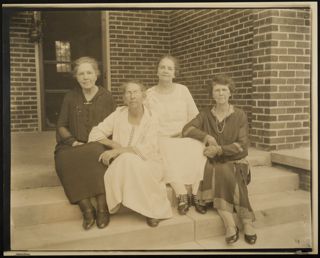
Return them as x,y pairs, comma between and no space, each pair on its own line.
183,159
138,185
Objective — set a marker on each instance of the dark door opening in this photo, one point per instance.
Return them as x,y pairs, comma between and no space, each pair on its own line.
67,35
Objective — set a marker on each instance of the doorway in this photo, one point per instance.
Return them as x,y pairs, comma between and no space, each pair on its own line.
67,35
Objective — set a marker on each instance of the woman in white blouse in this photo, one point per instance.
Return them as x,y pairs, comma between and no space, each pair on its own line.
183,158
135,173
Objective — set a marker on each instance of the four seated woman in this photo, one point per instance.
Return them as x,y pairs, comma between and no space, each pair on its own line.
135,176
137,158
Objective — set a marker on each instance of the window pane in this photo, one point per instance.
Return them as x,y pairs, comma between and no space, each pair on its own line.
63,56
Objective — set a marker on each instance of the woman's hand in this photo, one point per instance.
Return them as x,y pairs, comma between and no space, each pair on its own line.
107,156
211,151
76,143
210,140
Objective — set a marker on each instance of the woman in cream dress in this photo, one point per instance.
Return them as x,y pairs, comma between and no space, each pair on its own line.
135,173
183,158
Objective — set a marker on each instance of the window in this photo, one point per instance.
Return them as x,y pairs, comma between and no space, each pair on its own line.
63,56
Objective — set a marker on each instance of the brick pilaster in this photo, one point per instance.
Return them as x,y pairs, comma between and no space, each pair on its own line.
281,79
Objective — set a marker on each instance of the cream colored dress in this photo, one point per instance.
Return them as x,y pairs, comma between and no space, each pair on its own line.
183,157
135,180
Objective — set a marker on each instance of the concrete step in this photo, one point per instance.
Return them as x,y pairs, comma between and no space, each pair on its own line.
297,158
125,231
30,171
270,209
128,231
32,160
294,235
43,205
266,179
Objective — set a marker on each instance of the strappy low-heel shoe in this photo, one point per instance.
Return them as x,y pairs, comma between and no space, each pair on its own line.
198,207
89,217
183,206
234,238
250,239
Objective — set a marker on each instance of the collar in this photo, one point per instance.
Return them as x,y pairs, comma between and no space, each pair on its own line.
229,112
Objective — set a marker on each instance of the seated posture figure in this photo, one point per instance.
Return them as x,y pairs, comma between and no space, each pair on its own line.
224,130
183,158
135,175
80,173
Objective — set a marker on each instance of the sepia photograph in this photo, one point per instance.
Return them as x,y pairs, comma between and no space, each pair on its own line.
160,128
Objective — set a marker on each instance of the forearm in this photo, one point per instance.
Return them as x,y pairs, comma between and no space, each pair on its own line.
64,136
194,133
233,149
109,143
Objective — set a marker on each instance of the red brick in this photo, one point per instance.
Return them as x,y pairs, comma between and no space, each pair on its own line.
294,124
285,132
274,140
285,117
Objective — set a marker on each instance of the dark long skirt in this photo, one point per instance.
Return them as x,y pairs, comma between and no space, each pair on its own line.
80,173
225,184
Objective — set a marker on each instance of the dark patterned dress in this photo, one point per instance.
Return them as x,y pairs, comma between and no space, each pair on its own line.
80,173
226,176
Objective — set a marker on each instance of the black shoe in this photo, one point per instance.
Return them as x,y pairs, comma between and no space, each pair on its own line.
183,206
199,208
152,222
232,239
103,219
250,239
88,219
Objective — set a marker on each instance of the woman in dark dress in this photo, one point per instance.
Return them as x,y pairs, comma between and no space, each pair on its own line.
224,130
76,161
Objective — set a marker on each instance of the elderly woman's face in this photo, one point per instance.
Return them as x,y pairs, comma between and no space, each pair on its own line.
133,95
86,76
221,93
166,69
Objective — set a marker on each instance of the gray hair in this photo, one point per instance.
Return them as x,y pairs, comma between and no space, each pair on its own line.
85,59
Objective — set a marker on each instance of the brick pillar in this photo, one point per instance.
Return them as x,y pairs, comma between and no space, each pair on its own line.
23,92
281,79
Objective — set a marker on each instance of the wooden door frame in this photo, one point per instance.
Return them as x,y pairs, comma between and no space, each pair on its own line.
105,73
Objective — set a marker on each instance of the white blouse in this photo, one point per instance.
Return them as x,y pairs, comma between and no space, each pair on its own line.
174,109
143,137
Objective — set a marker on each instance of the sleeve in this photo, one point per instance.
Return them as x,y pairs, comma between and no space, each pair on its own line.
193,129
148,146
240,146
63,134
191,105
104,129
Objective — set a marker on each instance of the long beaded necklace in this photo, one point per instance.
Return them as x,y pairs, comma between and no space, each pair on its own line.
220,131
224,123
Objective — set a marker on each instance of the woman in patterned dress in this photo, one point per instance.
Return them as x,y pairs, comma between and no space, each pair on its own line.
224,130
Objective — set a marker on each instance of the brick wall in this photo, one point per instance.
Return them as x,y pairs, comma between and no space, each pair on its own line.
281,79
267,52
138,38
23,93
210,42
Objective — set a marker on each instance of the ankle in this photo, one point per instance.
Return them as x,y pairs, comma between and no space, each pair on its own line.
231,230
248,228
85,206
